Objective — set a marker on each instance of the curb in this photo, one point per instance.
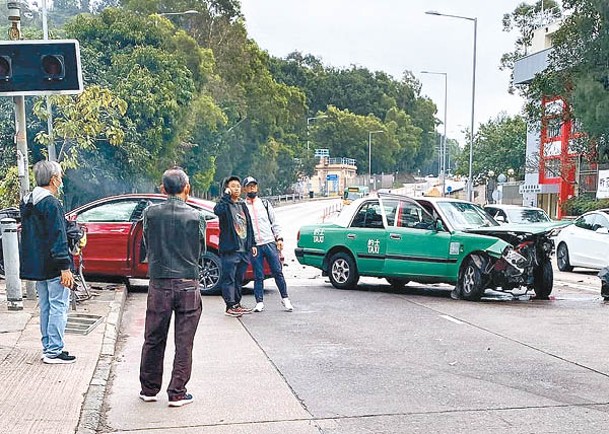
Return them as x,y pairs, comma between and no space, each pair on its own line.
90,415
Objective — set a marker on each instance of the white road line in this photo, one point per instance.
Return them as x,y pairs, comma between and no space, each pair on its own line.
451,319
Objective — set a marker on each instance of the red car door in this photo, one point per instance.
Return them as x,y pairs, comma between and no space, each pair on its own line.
109,226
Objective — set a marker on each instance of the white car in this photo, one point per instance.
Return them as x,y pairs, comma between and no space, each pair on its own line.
585,243
517,214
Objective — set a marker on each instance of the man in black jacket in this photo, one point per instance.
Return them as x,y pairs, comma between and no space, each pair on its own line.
45,258
174,234
236,243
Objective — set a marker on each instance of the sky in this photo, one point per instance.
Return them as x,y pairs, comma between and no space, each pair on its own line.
397,35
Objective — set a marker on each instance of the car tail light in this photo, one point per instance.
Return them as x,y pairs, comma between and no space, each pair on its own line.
298,235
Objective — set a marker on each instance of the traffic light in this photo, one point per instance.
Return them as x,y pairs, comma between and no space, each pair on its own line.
40,67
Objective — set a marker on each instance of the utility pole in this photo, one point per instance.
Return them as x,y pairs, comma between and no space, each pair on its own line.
14,17
51,151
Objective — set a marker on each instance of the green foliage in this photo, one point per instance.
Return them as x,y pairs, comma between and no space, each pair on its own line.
526,18
9,188
578,69
409,118
80,121
499,145
583,203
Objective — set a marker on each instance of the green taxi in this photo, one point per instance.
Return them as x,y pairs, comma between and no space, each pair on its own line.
440,240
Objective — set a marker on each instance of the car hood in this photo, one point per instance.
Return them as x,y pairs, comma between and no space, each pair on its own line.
532,228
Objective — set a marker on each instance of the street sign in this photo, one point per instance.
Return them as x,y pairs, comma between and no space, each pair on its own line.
332,177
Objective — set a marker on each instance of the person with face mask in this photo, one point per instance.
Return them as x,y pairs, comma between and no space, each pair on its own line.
45,258
269,243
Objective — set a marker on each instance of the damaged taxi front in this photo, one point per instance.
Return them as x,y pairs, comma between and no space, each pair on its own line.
403,240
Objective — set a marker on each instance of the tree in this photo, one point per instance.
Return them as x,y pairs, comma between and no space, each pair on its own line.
526,18
499,145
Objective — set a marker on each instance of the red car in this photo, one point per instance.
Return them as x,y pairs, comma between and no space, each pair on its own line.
114,239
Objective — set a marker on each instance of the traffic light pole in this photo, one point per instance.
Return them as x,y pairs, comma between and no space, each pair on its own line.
14,17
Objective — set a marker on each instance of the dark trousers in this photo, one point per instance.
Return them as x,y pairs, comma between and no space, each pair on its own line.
233,268
167,296
270,252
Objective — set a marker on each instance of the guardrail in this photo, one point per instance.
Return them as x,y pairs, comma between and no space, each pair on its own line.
284,198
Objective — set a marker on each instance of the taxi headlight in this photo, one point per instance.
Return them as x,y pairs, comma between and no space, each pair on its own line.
514,258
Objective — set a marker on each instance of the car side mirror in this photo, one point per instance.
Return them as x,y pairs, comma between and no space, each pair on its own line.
602,230
438,225
500,219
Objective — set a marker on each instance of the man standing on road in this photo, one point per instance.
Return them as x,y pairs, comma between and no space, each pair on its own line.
269,243
45,258
174,234
236,243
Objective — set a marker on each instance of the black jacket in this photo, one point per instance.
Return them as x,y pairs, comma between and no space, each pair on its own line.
44,245
229,241
174,234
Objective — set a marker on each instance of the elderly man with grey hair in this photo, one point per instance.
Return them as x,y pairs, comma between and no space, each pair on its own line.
174,234
45,258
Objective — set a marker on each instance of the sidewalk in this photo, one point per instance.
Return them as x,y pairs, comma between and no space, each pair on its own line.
40,398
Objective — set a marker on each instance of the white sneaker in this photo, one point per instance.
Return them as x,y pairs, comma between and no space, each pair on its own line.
259,307
286,303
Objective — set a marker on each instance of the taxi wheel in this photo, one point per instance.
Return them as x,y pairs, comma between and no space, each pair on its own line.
562,258
397,283
343,271
209,274
543,280
470,283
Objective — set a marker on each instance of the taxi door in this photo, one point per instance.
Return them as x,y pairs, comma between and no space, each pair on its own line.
366,237
414,247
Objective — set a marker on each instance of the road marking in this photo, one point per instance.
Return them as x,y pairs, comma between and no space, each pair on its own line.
451,319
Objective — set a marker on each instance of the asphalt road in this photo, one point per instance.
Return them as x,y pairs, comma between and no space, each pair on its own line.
377,360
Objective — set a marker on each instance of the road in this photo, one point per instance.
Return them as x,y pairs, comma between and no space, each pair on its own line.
377,360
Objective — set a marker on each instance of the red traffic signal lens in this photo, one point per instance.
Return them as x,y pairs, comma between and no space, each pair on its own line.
53,66
5,68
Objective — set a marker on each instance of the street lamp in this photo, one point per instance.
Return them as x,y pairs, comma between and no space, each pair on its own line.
443,151
309,121
470,191
370,133
188,12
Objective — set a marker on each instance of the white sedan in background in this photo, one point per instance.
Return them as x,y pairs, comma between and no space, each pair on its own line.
517,214
585,243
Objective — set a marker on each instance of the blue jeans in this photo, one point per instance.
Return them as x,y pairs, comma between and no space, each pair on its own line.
270,252
54,301
233,268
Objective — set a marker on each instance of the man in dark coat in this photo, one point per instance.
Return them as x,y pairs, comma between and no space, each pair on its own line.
174,234
236,243
45,258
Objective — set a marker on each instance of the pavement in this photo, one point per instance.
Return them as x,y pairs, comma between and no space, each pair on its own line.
40,398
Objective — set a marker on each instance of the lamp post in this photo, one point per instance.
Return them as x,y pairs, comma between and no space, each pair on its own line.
309,121
370,133
443,149
470,191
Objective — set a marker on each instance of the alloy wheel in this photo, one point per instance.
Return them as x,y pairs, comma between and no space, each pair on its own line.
340,270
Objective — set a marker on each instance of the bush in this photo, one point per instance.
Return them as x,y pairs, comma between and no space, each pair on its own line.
9,189
583,203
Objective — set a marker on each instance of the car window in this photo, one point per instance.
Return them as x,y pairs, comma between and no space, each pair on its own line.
602,221
207,215
368,216
585,222
412,216
465,215
113,212
527,215
391,208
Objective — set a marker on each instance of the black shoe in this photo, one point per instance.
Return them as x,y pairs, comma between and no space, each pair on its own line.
62,358
185,399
